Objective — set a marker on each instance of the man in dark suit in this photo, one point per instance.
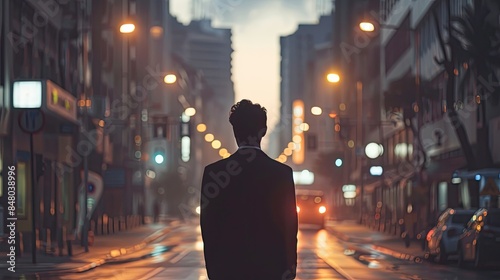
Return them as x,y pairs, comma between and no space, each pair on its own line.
248,211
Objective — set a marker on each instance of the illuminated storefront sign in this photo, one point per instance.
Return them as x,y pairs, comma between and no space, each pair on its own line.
27,94
44,94
60,101
297,132
304,177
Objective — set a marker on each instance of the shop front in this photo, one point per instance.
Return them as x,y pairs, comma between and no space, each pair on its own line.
56,164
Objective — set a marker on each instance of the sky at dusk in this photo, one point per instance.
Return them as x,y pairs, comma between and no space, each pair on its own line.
256,26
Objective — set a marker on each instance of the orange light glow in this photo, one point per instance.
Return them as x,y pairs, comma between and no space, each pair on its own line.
366,26
127,28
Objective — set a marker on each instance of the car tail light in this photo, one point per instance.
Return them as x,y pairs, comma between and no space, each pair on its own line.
429,234
298,209
322,209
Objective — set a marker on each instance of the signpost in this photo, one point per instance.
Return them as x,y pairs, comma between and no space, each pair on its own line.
31,122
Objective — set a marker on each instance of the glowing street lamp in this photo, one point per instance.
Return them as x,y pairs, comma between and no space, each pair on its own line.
209,137
190,111
170,79
316,111
127,28
201,127
366,26
374,150
216,144
333,77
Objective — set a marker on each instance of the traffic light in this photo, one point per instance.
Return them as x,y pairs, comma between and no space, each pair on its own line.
339,162
159,156
138,146
160,127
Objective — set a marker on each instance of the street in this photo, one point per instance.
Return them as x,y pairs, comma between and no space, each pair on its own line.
321,255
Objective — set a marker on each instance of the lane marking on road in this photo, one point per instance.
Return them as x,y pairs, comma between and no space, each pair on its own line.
152,273
180,256
333,265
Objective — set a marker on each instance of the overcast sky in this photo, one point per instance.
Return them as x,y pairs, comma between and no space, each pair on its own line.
257,26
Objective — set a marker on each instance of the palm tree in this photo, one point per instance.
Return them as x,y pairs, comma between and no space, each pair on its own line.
477,44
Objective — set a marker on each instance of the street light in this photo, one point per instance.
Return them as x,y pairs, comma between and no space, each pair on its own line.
127,28
209,137
190,111
316,111
216,144
170,79
374,150
333,77
366,26
201,127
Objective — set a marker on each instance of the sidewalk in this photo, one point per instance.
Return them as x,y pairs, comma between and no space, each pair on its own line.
105,247
385,243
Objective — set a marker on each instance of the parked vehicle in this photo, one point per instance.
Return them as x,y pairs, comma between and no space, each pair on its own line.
442,240
480,242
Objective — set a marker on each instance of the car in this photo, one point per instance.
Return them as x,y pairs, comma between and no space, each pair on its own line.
311,207
442,240
480,241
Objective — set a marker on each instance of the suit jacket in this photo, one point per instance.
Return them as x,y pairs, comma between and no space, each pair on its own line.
248,218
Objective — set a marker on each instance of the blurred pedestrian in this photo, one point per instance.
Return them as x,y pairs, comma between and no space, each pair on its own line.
248,211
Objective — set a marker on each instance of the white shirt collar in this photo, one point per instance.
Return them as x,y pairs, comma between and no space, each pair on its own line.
249,147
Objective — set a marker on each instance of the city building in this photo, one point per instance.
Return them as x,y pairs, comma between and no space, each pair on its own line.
297,54
42,44
209,50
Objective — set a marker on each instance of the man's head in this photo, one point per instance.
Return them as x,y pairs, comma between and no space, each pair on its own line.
249,122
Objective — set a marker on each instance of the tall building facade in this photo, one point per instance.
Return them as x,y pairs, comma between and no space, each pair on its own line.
209,50
297,54
42,43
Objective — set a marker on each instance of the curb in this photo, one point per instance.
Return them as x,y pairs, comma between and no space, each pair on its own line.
378,248
113,254
398,255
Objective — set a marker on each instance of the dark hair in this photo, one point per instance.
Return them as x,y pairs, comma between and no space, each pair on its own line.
248,120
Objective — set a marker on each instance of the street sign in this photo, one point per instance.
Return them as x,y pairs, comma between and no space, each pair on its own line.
31,121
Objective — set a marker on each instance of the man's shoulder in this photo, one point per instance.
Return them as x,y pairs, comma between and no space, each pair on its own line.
267,163
281,166
217,164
